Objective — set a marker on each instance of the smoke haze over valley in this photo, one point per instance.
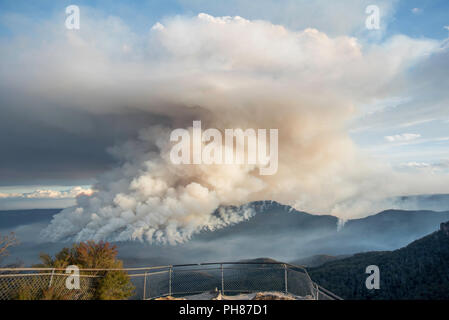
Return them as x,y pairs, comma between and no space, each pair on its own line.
276,230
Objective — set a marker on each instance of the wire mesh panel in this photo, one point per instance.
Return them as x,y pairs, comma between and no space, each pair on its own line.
253,278
44,286
299,283
323,296
228,278
191,280
22,286
156,284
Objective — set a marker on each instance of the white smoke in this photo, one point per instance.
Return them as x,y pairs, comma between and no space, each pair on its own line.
230,72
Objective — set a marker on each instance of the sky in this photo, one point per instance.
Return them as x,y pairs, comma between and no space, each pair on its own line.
62,116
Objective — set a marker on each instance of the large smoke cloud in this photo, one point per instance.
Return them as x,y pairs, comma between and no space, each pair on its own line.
227,72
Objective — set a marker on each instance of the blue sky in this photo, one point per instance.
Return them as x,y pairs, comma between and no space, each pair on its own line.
411,17
427,20
407,128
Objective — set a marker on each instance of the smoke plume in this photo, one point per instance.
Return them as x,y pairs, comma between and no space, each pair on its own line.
227,72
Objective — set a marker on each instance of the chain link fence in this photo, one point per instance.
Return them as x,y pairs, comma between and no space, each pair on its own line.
43,284
227,278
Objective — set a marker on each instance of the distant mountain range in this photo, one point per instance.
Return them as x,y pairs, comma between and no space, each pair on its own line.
418,271
306,234
434,202
276,231
317,260
10,219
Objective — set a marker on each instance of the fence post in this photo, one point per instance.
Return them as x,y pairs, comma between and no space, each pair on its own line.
170,281
314,289
285,278
222,280
144,286
51,277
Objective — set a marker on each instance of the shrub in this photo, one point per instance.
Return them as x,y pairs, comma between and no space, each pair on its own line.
108,285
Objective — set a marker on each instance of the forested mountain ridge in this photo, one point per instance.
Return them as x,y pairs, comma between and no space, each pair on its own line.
418,271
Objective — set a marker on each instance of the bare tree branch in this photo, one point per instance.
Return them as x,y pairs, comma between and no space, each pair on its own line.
6,242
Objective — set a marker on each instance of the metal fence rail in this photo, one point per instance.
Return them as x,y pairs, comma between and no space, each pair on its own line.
227,278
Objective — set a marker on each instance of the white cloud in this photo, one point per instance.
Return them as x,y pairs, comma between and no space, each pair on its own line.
434,167
402,137
157,26
10,195
332,17
416,10
48,194
416,164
